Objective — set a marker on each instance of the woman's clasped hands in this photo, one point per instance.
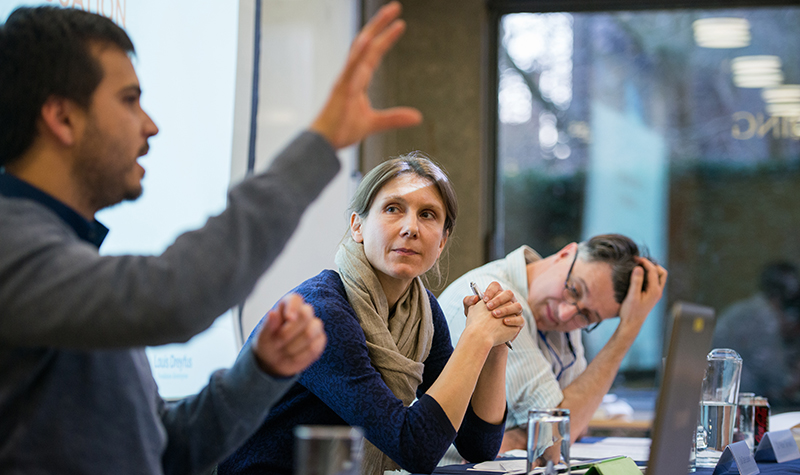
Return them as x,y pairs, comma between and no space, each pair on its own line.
499,314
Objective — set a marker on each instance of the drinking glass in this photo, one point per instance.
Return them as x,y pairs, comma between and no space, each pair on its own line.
548,440
745,420
718,404
328,450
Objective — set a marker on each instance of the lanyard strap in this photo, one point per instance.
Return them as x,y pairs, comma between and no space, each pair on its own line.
555,355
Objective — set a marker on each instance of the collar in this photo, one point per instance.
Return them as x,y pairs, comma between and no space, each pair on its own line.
517,263
92,232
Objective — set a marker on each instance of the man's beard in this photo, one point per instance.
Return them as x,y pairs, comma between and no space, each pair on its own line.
101,172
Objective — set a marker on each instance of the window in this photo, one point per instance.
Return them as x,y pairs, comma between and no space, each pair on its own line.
678,128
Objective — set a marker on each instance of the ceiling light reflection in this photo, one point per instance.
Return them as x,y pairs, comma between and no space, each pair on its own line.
783,100
757,71
721,32
783,110
784,93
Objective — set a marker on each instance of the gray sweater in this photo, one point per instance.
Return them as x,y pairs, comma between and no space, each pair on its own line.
76,392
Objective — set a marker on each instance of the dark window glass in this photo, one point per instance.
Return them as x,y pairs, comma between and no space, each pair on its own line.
680,129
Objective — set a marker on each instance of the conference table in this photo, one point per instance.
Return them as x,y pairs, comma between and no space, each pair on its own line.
602,447
789,468
638,449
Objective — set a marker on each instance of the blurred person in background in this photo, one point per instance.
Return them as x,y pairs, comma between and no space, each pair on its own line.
763,330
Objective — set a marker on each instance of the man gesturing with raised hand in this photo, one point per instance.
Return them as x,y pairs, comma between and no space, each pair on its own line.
76,393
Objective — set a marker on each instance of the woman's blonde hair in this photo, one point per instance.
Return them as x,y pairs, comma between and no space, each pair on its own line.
418,164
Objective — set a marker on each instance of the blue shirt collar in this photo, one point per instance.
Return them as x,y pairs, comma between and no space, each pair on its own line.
90,231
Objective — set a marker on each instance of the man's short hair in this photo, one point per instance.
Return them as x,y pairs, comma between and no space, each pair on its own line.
44,52
618,251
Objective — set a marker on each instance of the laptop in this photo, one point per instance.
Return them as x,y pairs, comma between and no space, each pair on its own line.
679,396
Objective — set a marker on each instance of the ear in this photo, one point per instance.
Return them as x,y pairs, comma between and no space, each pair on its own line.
62,119
567,250
442,243
355,227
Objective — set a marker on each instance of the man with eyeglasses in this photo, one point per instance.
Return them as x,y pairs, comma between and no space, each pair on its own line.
572,290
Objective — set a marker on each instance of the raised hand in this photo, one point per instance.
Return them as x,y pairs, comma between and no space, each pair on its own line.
348,116
638,302
290,339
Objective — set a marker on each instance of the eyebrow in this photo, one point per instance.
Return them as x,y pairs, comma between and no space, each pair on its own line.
131,88
586,289
434,206
593,312
583,284
394,198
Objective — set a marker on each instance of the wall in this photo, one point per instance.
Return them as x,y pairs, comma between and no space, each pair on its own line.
303,47
437,67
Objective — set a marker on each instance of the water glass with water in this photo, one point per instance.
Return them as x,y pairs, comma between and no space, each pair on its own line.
548,440
328,450
745,420
718,404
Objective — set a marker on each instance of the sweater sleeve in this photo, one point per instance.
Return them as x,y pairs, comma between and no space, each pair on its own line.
57,291
477,440
206,428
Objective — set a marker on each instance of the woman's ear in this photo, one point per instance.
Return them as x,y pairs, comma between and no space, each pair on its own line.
443,242
355,228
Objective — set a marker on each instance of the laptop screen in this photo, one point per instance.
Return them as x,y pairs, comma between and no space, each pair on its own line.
679,395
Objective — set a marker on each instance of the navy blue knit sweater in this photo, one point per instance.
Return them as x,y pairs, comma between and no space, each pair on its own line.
343,388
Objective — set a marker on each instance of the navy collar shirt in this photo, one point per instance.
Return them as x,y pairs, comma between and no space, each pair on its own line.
90,231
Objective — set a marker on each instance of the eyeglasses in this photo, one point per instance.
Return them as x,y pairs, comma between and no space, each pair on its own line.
572,297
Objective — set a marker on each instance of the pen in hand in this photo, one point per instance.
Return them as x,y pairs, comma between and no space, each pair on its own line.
477,292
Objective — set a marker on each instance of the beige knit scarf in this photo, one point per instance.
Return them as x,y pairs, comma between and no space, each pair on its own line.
398,343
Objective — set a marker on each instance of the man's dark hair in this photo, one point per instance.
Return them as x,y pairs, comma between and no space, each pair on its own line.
618,251
779,281
44,52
